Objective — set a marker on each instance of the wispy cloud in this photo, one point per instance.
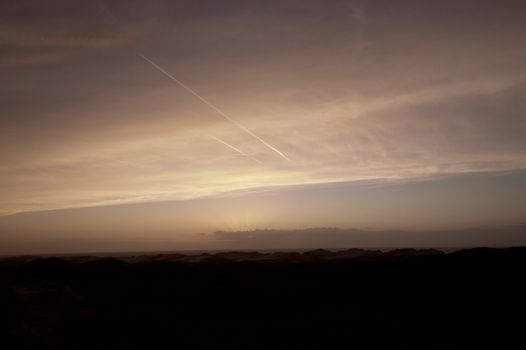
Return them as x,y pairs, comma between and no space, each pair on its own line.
416,100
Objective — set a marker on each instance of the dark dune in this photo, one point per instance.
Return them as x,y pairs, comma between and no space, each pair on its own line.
320,299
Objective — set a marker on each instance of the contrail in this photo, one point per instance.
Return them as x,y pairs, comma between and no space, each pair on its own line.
236,149
220,112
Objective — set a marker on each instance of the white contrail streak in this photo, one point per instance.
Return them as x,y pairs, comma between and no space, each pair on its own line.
236,149
220,112
228,145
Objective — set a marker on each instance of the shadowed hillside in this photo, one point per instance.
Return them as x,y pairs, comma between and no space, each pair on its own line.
400,299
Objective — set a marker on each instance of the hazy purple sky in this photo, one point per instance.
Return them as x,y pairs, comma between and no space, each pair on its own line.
369,114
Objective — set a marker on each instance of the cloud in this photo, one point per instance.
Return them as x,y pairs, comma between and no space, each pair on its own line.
30,57
345,238
52,34
417,99
35,33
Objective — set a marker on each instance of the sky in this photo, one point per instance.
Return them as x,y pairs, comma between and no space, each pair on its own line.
150,124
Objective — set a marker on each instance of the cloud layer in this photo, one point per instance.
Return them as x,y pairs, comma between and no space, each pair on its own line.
351,91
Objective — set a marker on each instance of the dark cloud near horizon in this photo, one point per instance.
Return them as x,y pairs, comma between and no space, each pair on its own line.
344,238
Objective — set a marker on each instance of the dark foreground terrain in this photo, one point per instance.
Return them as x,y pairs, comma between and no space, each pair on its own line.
354,299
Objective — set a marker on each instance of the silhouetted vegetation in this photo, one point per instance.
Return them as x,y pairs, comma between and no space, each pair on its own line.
363,299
